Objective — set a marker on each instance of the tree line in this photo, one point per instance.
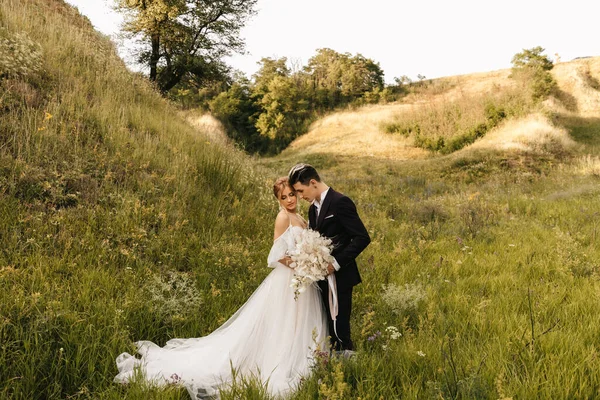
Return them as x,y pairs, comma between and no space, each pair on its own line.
183,43
266,113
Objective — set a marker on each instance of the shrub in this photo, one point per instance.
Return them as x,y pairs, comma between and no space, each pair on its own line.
475,215
173,295
19,55
404,301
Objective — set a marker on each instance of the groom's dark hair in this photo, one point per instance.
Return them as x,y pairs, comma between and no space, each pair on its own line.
303,173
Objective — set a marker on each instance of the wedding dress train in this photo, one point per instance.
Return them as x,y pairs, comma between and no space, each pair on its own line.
269,337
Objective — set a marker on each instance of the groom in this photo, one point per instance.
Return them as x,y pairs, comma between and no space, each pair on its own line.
334,216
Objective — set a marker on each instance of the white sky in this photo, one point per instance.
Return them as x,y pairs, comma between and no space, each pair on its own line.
433,38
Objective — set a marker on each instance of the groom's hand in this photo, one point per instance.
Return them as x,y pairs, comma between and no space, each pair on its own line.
330,269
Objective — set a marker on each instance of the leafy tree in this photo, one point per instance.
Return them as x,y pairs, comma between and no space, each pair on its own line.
269,69
532,58
236,109
186,37
336,78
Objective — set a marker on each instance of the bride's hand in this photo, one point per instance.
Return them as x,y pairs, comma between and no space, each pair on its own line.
287,261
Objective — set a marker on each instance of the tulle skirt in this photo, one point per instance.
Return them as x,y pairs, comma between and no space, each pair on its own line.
272,338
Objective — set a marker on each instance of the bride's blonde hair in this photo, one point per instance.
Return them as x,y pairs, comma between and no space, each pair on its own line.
279,184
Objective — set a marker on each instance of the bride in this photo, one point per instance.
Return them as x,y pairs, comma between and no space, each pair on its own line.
270,337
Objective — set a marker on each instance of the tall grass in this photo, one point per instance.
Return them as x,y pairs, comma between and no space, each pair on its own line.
120,222
485,267
106,196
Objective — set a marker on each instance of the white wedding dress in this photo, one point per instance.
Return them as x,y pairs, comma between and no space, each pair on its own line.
269,337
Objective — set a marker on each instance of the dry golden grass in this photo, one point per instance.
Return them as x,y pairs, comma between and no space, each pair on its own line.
357,133
577,79
587,165
478,83
207,125
531,133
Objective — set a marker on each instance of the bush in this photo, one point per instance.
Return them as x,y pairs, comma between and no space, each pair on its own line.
405,301
19,55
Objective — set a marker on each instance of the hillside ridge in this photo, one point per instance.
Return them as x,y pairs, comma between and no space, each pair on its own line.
359,132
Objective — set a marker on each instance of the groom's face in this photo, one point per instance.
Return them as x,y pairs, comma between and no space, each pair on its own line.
307,192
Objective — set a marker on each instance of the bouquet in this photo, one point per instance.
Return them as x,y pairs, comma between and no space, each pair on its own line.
310,259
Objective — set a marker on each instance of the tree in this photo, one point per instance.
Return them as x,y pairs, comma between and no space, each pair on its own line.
186,37
533,67
270,68
237,111
337,78
532,58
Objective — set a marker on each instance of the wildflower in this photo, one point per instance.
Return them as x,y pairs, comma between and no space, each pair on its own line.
213,290
373,337
48,116
473,196
393,332
404,299
420,353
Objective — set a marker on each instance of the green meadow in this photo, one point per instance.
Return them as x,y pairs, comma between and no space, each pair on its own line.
119,221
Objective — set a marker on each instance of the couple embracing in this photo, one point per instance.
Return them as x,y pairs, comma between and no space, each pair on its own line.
272,337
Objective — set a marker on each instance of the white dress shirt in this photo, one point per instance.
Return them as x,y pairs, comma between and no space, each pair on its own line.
318,203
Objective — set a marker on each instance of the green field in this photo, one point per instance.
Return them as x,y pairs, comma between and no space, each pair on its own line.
119,222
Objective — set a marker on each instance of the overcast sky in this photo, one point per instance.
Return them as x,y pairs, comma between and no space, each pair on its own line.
433,38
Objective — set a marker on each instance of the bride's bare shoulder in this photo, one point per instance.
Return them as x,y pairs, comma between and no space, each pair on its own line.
281,223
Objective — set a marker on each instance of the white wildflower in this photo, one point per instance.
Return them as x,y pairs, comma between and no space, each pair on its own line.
393,332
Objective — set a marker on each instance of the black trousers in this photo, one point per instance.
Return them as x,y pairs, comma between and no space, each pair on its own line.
343,340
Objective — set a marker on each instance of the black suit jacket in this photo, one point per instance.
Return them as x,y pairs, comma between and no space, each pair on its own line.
339,221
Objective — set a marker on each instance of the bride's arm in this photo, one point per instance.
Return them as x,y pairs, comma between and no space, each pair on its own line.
277,254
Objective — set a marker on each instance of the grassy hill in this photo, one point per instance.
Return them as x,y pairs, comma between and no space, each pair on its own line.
447,106
122,219
119,219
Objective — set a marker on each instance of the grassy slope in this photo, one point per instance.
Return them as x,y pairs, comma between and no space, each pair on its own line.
115,195
492,251
106,193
